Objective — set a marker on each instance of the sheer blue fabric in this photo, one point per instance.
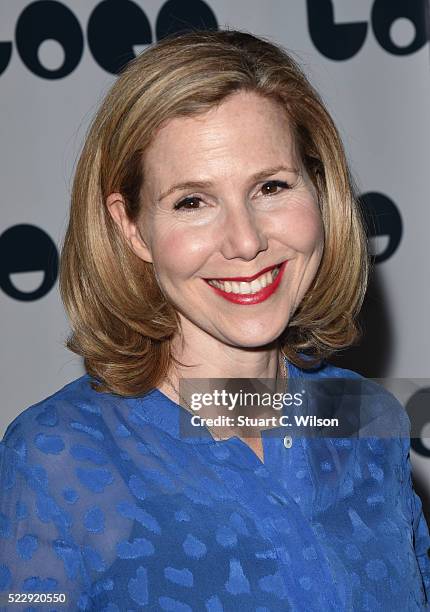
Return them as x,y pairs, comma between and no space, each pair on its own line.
101,499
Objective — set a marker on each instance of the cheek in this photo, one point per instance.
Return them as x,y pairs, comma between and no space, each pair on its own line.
179,250
303,229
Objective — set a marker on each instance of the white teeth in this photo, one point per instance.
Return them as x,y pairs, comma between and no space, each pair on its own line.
255,286
244,288
265,279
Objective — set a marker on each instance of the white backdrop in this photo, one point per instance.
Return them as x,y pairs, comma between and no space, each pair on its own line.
368,58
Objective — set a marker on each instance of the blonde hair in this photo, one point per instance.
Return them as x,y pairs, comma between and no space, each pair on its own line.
121,322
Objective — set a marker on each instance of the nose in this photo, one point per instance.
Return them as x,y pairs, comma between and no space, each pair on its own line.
243,234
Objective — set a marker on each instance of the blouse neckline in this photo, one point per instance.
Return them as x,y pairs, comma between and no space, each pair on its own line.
161,411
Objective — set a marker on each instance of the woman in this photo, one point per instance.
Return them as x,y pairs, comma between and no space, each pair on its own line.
213,230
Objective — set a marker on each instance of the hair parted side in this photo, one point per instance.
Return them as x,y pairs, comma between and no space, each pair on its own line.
122,325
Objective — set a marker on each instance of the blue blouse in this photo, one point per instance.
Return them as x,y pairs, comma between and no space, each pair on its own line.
102,500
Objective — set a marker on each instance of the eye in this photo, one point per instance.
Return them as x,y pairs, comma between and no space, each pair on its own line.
192,203
271,187
189,204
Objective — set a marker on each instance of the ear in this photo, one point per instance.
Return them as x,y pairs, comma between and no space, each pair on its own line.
116,206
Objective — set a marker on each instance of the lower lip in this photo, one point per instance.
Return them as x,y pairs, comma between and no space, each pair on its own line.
252,298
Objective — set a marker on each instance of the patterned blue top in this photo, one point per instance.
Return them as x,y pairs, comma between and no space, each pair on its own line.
103,500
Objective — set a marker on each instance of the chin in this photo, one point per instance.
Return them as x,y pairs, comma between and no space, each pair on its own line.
254,338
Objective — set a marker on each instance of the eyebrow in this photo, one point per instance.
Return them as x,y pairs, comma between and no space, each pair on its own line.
204,184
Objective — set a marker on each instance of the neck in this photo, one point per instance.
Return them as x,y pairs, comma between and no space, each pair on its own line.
204,356
213,359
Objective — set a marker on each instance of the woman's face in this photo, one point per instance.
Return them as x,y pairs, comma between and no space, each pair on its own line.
225,197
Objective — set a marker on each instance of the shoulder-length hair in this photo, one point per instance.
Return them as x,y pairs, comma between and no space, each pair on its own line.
121,322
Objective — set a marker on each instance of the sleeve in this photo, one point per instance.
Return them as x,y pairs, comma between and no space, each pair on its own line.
37,553
421,537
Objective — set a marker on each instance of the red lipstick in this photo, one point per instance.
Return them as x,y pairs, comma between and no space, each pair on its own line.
251,298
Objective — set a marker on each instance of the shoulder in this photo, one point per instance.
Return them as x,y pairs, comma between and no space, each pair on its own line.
381,414
61,415
322,370
62,448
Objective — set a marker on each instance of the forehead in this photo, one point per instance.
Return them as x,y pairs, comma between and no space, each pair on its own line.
246,129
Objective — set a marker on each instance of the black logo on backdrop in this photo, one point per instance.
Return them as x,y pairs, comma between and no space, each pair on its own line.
382,218
341,41
41,21
114,27
26,248
417,408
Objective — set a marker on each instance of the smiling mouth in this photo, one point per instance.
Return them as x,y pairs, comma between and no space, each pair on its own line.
252,284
